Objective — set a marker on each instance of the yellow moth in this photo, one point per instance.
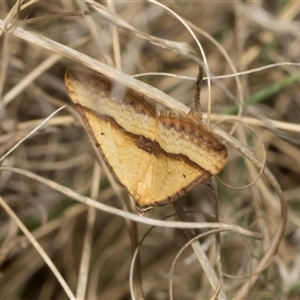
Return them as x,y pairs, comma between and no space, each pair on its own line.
155,157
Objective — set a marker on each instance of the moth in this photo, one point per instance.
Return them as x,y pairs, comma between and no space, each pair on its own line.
155,157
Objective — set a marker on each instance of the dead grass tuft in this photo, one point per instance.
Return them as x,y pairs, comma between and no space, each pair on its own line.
84,247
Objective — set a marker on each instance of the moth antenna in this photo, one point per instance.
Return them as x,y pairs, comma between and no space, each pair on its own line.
197,103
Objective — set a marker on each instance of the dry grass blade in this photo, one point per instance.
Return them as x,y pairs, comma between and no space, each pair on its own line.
34,242
131,216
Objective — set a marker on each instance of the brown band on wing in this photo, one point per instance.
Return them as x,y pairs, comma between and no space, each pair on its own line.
201,146
152,147
196,133
98,84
